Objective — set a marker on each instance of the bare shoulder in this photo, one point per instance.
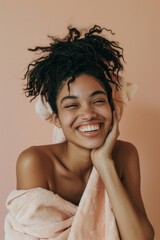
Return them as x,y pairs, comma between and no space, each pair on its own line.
128,159
125,148
32,168
123,153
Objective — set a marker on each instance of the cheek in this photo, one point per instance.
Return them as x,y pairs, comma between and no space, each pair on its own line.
67,119
106,113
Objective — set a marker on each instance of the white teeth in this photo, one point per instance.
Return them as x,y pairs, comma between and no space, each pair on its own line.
89,128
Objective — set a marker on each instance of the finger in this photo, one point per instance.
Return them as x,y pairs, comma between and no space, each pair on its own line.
118,111
114,122
115,127
118,114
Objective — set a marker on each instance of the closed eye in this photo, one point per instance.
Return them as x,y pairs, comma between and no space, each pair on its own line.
99,101
71,106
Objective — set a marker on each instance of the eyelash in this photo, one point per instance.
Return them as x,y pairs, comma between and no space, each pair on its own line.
75,105
99,101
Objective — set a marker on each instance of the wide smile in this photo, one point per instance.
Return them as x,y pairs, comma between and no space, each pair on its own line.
90,130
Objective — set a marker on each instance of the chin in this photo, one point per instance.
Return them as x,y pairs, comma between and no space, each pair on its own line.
93,144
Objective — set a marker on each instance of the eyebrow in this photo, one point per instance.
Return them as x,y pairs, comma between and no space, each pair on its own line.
91,95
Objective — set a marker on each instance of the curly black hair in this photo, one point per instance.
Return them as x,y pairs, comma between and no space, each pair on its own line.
65,59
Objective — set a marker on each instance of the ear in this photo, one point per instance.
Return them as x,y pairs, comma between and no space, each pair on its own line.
56,120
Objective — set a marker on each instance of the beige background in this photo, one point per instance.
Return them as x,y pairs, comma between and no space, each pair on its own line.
26,23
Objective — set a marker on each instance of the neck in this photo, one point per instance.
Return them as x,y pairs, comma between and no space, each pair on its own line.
77,159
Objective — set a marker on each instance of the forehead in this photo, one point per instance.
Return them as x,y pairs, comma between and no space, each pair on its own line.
82,85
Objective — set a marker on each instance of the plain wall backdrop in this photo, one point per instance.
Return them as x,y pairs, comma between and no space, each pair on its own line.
27,23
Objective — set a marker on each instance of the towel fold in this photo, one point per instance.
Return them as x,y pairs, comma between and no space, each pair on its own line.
38,214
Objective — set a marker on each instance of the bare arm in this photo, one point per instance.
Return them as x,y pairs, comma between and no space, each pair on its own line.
126,198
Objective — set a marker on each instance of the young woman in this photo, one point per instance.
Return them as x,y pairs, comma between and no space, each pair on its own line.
75,77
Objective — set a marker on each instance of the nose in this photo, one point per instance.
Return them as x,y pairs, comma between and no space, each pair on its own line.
88,113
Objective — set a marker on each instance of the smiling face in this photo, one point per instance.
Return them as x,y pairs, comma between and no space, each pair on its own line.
84,114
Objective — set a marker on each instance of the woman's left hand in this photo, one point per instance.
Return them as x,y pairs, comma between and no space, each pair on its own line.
103,154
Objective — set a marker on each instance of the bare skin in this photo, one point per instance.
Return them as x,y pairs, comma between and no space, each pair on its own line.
42,166
65,168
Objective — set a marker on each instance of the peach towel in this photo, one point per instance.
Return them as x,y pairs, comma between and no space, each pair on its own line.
38,213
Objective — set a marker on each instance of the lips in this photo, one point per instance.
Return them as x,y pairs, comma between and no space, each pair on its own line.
90,130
